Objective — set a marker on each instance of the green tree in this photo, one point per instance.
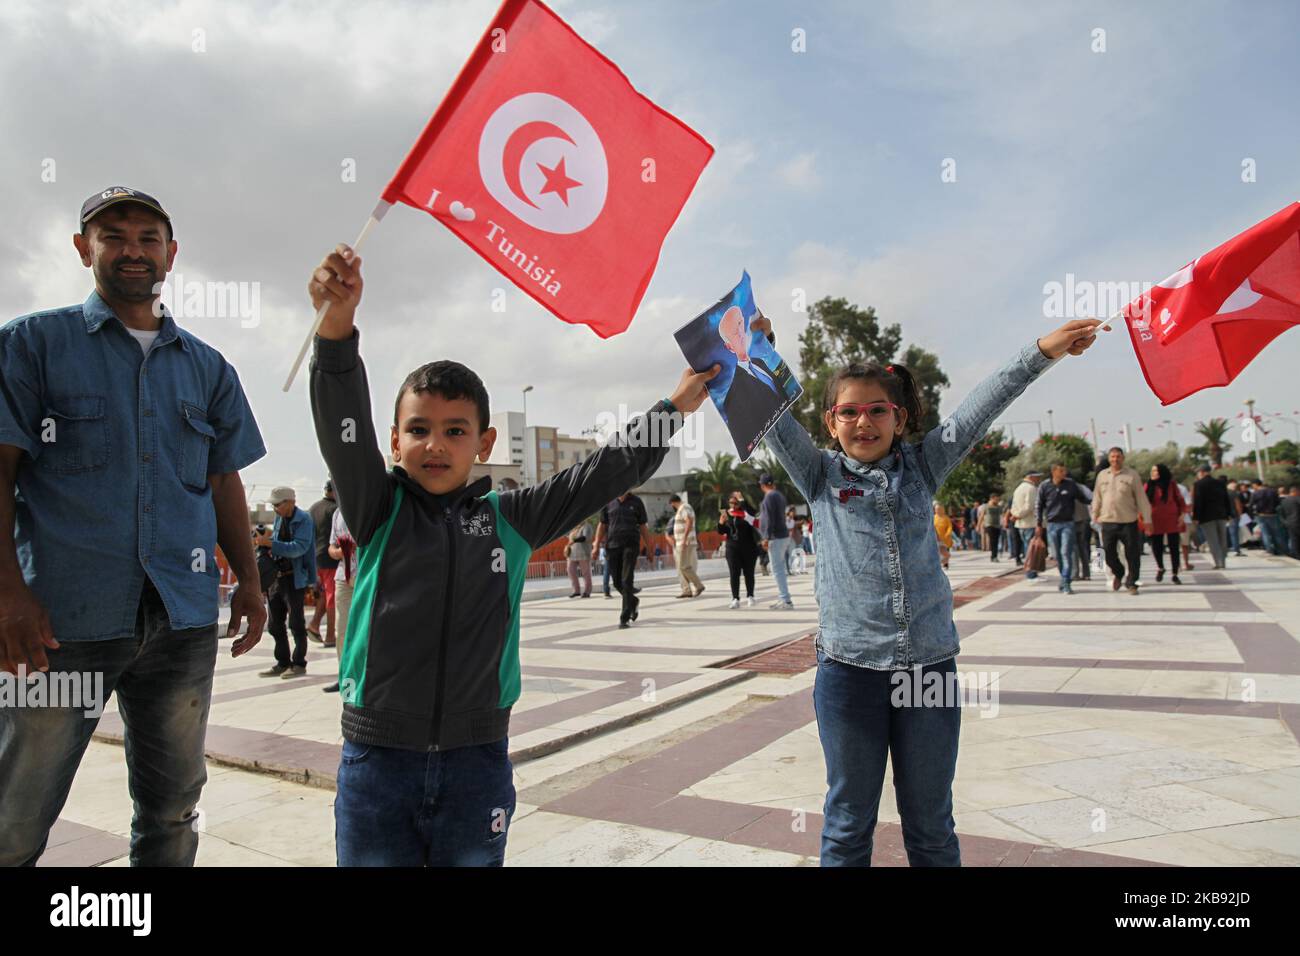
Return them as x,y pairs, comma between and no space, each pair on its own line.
1213,432
839,334
767,464
1285,450
1073,451
712,484
980,473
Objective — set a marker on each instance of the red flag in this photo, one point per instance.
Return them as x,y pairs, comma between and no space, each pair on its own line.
545,160
1205,323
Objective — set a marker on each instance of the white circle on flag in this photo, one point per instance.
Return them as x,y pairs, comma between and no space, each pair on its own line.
542,161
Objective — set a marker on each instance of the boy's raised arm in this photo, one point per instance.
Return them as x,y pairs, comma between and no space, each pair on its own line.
545,511
340,398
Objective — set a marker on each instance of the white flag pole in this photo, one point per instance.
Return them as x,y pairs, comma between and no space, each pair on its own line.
380,208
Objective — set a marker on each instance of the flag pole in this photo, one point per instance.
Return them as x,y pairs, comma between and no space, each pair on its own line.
380,208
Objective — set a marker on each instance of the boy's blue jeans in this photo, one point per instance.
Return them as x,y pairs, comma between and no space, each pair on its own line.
1060,538
163,682
776,549
413,808
859,727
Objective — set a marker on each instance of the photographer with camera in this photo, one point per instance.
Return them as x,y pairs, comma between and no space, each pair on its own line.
292,544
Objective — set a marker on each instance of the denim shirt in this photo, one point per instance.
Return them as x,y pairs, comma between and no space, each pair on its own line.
301,550
118,447
883,600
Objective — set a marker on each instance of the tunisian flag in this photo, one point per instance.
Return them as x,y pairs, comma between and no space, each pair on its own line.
545,160
1205,323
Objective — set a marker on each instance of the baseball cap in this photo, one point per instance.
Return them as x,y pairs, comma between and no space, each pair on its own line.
283,494
115,195
766,479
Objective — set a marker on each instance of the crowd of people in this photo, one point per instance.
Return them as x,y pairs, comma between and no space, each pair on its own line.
1122,515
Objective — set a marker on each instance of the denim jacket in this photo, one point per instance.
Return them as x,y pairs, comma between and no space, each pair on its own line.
300,549
883,600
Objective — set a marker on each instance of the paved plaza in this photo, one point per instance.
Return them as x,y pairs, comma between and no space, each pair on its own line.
1111,730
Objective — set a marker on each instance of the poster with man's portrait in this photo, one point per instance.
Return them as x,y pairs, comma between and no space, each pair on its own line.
755,385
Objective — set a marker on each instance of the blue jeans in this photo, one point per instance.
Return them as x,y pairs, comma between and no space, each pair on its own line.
163,682
1026,535
416,808
776,549
1272,533
859,727
1234,534
1060,537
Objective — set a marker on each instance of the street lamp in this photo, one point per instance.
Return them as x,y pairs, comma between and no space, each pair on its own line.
527,389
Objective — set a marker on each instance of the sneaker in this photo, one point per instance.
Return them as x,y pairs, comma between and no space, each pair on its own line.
588,594
1176,581
1160,575
1132,589
608,595
634,614
276,671
700,591
1115,582
331,688
1032,577
1067,590
783,606
735,603
574,595
297,670
623,625
680,596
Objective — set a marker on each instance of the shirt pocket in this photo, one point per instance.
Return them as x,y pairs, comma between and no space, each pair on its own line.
916,499
197,437
79,438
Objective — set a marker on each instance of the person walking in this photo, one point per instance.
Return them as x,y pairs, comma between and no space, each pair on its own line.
1212,510
623,525
578,560
1235,511
776,538
943,531
1054,511
795,561
1263,502
990,521
292,541
742,548
1165,527
1288,512
685,548
1083,533
1024,504
343,549
322,518
1117,503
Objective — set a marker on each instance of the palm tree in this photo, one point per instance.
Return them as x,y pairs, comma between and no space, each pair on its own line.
715,480
767,464
1213,432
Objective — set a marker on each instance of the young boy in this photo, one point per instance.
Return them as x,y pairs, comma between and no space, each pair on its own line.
430,667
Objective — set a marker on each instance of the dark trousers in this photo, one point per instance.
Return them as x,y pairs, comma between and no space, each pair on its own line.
1083,543
995,539
1016,544
286,601
1112,535
741,562
622,568
1158,542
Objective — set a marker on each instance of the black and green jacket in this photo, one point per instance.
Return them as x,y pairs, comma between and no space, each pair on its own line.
431,656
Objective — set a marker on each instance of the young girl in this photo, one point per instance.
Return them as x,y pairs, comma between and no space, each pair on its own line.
943,531
885,606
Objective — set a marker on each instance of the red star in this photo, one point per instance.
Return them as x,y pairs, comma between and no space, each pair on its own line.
557,181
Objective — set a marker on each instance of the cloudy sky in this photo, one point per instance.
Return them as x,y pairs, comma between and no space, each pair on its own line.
1115,166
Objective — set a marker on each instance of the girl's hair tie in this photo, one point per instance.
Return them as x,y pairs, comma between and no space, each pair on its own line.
889,369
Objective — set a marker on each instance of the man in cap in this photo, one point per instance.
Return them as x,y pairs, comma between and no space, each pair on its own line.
322,517
293,546
121,440
776,538
1024,504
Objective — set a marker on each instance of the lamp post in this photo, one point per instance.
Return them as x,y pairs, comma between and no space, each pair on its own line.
527,389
